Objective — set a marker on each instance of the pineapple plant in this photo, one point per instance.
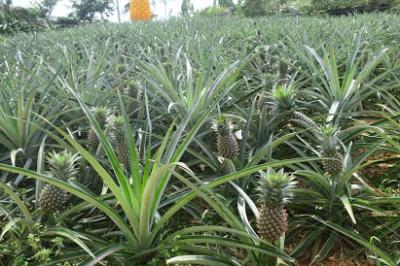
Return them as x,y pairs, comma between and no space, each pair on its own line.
100,114
330,149
140,10
265,67
227,144
275,191
62,166
116,127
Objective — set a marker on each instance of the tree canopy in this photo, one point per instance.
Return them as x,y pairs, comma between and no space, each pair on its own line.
86,10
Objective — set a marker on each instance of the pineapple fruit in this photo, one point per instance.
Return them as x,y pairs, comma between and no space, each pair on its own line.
275,191
301,120
262,101
227,144
52,199
330,149
62,166
283,72
134,91
140,10
100,114
116,125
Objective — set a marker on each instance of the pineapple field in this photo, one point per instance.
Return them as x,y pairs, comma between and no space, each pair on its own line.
202,141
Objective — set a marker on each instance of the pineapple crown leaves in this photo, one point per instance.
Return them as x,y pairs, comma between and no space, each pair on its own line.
63,165
283,96
329,138
222,125
134,89
100,114
275,188
116,122
116,127
261,50
271,50
227,123
329,130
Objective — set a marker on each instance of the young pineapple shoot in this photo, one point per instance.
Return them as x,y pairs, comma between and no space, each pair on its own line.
330,149
100,114
63,166
275,191
227,144
118,134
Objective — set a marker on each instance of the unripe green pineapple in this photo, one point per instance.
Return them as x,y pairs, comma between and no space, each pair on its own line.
62,166
52,199
135,93
330,149
100,114
283,71
301,120
275,191
227,144
118,133
262,101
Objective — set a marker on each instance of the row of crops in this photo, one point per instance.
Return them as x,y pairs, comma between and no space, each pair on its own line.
223,141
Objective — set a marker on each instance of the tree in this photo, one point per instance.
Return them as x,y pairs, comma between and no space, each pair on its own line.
186,8
275,6
47,6
340,7
226,3
86,10
254,8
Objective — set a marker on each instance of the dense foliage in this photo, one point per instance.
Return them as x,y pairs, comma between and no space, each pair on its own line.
19,19
85,10
338,7
203,141
307,7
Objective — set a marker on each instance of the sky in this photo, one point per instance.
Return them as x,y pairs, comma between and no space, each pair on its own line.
63,8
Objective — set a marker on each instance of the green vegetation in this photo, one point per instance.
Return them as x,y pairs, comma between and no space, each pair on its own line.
254,8
19,19
202,141
38,17
85,10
